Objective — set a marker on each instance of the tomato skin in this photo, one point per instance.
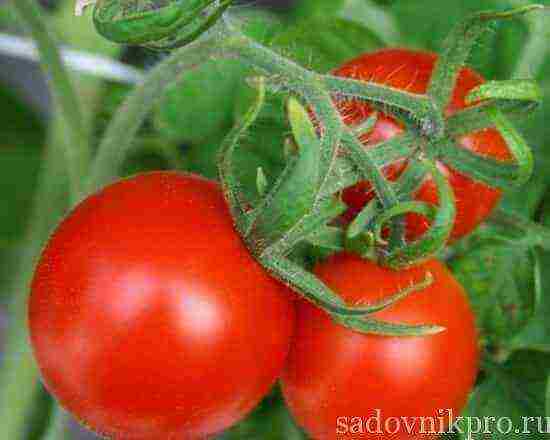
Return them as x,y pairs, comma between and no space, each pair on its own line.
333,372
149,319
411,70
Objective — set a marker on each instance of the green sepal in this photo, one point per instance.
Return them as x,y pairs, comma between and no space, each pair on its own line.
233,193
517,146
363,219
307,226
416,110
314,290
495,173
383,328
411,179
457,49
510,95
345,173
294,196
425,209
468,121
368,169
436,236
329,238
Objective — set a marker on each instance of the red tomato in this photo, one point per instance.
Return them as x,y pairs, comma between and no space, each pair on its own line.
411,70
149,319
337,380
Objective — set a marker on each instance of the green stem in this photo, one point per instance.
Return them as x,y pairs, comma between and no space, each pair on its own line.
369,171
231,186
224,42
122,130
77,148
492,172
438,233
458,46
417,110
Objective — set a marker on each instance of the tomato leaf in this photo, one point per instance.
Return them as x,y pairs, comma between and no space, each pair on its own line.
270,421
536,334
514,390
200,106
498,279
323,43
311,8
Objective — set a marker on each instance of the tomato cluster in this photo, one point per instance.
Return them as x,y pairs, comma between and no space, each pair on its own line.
150,319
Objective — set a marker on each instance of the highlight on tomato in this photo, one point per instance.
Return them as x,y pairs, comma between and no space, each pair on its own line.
148,317
340,384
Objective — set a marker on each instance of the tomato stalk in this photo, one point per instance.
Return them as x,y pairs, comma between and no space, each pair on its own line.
292,211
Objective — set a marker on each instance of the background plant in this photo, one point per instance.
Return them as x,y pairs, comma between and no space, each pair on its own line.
510,308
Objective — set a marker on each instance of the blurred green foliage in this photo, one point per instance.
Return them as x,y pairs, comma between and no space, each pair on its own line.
21,151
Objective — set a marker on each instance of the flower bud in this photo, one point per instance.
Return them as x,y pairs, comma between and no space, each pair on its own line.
157,24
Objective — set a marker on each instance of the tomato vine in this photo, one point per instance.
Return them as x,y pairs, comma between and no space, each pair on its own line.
274,227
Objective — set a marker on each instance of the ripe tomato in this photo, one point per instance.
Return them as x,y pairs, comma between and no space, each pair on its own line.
335,379
148,317
411,70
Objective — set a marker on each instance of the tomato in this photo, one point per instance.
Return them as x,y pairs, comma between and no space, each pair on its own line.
411,70
148,317
337,380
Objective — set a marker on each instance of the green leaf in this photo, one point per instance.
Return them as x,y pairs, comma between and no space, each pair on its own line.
514,390
200,106
365,12
270,421
378,19
260,24
263,146
525,199
324,8
323,43
499,281
536,334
